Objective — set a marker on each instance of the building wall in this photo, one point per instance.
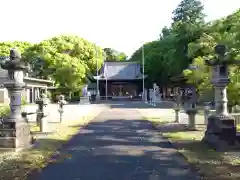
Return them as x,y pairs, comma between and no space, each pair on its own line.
134,85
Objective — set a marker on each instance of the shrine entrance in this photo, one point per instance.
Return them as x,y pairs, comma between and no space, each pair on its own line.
123,90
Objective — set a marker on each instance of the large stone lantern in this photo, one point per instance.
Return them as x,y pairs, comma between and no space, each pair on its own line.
15,132
221,130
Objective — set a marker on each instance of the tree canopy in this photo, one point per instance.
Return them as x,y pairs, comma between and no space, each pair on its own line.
167,56
187,43
68,60
114,55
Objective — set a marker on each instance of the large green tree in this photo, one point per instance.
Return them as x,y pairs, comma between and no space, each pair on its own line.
168,56
222,31
66,59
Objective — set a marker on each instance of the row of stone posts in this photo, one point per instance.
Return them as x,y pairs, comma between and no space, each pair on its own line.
154,95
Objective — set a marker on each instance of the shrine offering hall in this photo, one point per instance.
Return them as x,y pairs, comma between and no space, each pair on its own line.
120,80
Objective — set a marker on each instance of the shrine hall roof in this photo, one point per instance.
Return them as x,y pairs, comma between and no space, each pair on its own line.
120,70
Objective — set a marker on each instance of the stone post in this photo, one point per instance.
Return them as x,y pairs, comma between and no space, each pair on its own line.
154,93
192,110
61,103
15,132
221,129
177,108
151,96
42,113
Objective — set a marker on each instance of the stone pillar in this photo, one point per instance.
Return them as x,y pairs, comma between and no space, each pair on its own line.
36,94
28,95
42,121
15,132
33,99
154,94
177,108
61,103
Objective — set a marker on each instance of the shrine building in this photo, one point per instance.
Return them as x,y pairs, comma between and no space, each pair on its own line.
120,80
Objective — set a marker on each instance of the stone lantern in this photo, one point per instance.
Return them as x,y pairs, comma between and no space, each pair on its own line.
15,132
221,130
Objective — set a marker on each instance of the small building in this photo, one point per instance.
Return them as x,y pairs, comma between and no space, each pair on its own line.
120,79
34,87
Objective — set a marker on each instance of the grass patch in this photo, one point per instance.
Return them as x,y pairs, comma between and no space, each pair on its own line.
34,128
18,166
156,122
214,165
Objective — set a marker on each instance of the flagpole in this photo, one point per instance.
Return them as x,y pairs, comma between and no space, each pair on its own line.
106,85
97,94
143,70
106,89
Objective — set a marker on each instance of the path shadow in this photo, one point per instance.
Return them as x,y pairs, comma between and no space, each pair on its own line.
171,127
137,104
118,150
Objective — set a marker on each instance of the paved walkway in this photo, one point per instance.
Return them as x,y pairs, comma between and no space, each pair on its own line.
118,145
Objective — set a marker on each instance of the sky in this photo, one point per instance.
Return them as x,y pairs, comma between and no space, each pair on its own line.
120,24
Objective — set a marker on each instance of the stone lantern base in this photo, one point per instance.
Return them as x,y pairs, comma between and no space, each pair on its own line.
15,135
221,131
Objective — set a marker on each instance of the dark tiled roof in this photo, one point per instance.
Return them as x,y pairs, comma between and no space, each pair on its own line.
121,70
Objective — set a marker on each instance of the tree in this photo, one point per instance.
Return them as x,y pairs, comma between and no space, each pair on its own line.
65,59
5,47
218,32
168,56
189,11
113,55
187,43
